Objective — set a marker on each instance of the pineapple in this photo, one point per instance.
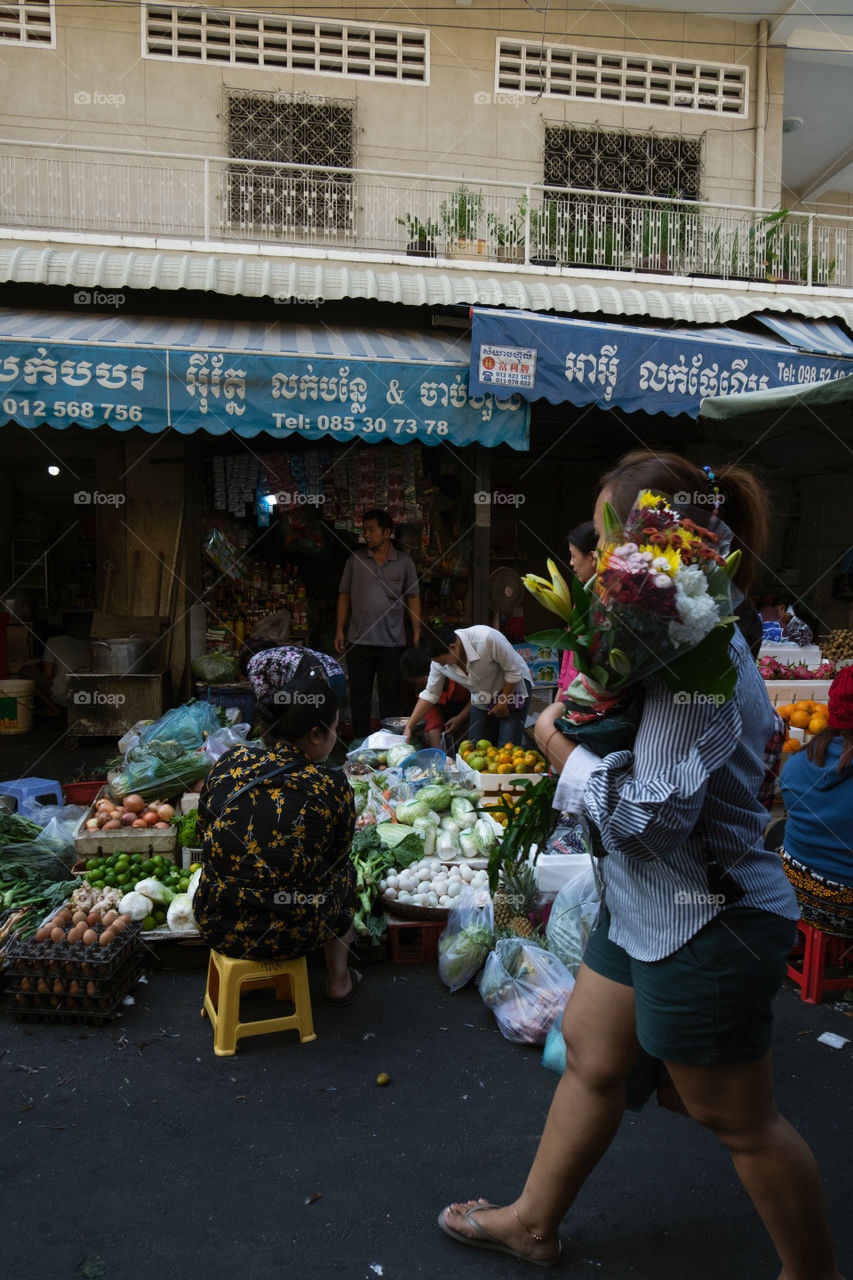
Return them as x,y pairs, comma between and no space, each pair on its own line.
513,897
521,927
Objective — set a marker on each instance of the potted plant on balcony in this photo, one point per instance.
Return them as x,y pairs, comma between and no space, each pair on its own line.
421,236
508,237
460,216
543,234
779,258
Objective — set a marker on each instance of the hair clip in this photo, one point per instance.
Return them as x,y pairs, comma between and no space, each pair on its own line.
712,480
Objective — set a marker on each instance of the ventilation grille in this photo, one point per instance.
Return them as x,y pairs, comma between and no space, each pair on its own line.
27,23
561,71
288,44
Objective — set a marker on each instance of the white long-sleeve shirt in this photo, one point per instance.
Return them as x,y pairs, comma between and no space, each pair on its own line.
492,663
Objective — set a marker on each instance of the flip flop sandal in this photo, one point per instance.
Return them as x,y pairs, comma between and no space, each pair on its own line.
340,1002
489,1241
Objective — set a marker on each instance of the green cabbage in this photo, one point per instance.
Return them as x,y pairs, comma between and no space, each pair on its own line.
397,754
410,811
437,796
483,835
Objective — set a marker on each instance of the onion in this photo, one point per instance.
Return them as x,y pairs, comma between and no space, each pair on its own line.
103,803
139,823
92,824
161,826
134,803
112,825
127,819
102,817
150,819
165,812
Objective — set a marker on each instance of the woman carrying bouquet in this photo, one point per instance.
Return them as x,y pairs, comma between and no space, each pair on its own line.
691,947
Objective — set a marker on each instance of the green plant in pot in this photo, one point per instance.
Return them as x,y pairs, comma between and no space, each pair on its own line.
508,238
780,258
421,235
461,214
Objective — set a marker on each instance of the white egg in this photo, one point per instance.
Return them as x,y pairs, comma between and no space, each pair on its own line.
383,885
445,901
419,900
454,889
404,896
393,881
434,866
391,892
424,886
432,900
466,873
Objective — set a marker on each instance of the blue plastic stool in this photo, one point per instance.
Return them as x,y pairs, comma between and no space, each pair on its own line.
21,790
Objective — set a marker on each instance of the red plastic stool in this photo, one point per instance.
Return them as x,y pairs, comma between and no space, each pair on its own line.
818,950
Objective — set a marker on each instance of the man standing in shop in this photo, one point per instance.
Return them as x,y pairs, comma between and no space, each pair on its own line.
378,584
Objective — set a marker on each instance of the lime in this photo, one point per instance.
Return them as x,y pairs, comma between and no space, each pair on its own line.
183,885
92,863
148,866
123,877
98,883
149,923
160,915
195,866
122,864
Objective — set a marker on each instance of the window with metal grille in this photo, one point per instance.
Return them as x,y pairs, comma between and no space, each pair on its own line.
643,164
675,84
28,23
270,40
612,229
294,129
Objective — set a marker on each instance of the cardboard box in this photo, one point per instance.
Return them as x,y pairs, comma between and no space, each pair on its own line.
545,671
538,653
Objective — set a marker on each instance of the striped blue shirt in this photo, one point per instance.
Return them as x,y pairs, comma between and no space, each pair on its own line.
689,785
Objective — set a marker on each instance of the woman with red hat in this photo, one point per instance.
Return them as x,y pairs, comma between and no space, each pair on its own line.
817,787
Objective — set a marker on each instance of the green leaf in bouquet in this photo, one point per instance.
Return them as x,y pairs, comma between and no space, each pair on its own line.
556,639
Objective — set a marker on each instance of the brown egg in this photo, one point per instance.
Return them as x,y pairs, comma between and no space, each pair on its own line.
107,937
43,933
58,988
93,918
90,988
42,985
73,988
25,984
109,918
64,916
57,934
90,937
73,936
120,922
79,917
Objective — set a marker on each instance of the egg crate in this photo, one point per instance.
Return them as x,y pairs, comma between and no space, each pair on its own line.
33,959
68,1007
90,844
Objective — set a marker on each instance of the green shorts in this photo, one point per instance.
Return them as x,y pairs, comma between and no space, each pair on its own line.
710,1002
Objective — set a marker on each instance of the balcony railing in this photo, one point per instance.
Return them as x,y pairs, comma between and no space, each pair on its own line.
87,189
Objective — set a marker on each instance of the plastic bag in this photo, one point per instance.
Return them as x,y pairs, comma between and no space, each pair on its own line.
640,1082
526,988
131,738
216,668
468,938
275,628
574,914
52,850
186,725
44,814
155,778
224,739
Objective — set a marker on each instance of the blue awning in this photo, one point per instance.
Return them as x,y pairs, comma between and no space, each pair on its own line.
289,381
628,366
821,336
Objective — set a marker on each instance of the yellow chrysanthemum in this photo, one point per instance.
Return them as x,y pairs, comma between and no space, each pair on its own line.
648,498
669,554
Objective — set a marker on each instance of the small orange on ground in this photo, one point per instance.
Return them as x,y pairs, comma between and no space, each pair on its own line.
800,718
817,723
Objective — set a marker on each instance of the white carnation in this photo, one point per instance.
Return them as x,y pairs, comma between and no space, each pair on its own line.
696,609
690,580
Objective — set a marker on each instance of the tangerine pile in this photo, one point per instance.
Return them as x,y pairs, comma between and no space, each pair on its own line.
808,715
507,759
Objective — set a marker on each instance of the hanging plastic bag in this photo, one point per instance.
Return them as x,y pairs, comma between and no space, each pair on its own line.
216,668
526,988
574,914
131,738
468,938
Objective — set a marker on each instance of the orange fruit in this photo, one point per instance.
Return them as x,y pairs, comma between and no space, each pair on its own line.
817,723
791,745
504,768
805,704
785,712
800,718
821,709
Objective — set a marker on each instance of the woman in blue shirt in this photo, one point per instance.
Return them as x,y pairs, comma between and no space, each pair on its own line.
692,945
817,787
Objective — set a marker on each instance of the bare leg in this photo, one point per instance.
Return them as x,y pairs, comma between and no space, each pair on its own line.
337,954
601,1047
773,1162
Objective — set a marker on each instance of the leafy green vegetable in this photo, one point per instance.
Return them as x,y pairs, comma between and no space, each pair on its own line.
437,796
186,829
16,830
401,839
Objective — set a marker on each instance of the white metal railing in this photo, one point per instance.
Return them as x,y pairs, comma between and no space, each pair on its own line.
60,186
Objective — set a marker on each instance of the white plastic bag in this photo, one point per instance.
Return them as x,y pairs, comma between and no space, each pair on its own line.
224,739
467,939
526,988
574,914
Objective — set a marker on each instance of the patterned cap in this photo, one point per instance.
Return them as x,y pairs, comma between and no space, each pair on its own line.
273,669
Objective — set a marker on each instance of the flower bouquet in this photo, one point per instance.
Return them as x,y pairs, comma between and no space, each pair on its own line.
660,603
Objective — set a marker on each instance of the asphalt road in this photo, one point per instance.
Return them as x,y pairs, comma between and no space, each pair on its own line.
132,1152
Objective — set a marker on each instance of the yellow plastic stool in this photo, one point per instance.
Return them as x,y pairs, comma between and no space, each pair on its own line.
226,978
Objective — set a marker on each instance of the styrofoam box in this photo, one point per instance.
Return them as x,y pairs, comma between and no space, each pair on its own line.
791,654
553,871
489,783
781,692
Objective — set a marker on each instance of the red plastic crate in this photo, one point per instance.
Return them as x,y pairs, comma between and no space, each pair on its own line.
414,941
